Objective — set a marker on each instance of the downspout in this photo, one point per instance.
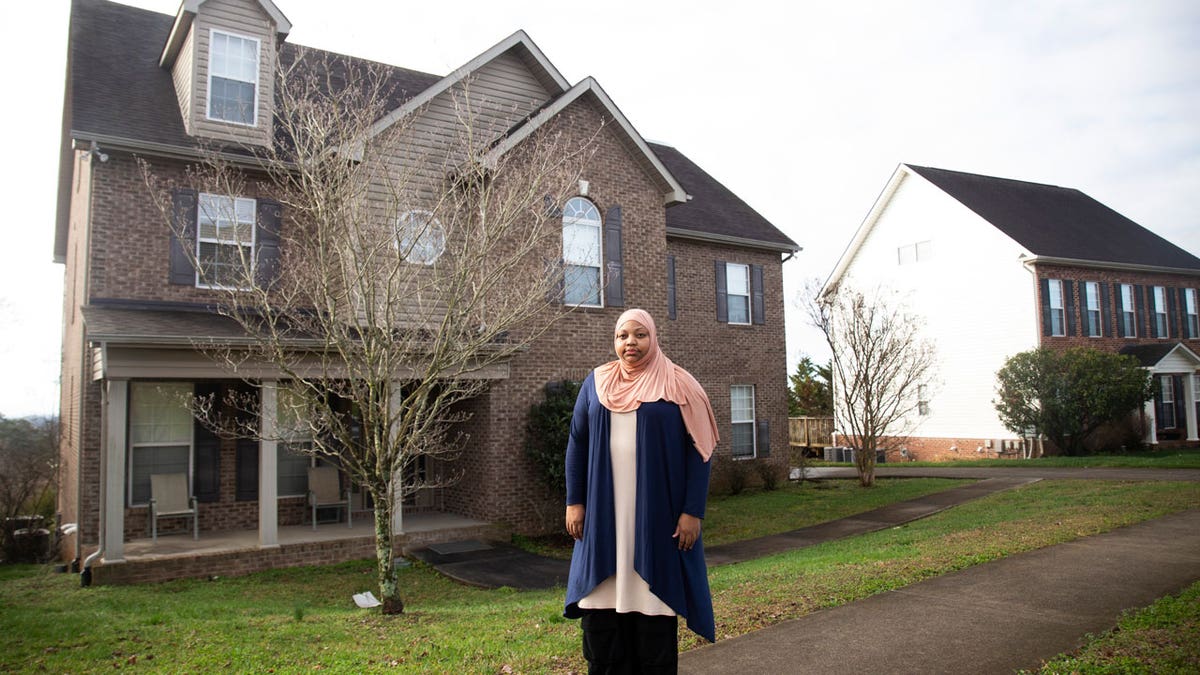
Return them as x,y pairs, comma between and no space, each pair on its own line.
85,573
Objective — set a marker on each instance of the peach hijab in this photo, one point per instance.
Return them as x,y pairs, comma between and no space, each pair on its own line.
622,388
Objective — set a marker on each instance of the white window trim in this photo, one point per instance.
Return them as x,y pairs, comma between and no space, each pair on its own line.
1053,286
753,421
222,242
213,32
1166,390
599,227
918,251
432,230
1191,314
923,400
1162,324
729,267
133,447
1091,292
1128,310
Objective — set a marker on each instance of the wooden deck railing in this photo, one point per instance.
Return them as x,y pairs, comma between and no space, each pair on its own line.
810,432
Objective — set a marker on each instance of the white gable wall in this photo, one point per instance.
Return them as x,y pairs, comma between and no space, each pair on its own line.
975,295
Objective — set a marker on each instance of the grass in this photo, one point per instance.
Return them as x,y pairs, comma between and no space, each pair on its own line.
1163,638
300,620
1179,458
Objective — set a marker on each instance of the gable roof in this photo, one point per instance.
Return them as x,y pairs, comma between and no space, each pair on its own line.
119,96
1150,355
673,192
1058,222
187,14
713,212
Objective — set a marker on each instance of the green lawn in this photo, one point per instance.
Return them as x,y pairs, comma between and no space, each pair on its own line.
301,620
1180,458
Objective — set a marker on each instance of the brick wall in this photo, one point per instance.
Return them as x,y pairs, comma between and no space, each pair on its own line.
1109,341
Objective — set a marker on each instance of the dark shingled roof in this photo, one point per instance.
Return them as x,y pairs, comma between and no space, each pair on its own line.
149,324
1148,355
714,209
116,90
119,90
1059,222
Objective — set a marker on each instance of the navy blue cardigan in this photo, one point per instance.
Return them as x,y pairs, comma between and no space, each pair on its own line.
672,479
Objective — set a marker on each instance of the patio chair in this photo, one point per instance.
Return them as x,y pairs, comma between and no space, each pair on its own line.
323,491
169,498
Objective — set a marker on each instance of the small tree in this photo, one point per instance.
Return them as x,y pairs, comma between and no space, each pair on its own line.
809,392
880,360
412,257
1067,395
28,464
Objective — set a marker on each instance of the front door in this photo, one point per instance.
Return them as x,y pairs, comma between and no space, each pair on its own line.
1169,412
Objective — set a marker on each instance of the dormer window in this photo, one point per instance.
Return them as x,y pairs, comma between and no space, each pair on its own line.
233,78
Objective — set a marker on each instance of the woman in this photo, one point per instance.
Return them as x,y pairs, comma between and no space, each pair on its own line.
637,480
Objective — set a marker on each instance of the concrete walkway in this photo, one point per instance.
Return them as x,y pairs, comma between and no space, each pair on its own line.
991,618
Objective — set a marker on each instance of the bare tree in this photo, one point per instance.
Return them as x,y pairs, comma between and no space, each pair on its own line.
880,362
414,257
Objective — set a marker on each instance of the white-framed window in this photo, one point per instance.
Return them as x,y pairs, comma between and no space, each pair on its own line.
1192,322
741,413
1091,291
1160,311
581,254
420,237
294,449
737,292
225,241
160,434
1167,387
915,252
1058,314
233,78
1128,318
922,400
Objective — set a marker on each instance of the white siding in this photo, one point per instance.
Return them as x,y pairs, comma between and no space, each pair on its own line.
182,73
974,293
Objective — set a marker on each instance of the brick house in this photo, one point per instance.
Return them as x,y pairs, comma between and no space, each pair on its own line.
155,86
999,266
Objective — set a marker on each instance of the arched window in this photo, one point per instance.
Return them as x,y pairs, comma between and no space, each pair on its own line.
420,237
581,253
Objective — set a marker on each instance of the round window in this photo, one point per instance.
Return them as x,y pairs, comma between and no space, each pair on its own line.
420,237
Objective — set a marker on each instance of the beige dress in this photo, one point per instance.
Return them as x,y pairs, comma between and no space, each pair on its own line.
625,591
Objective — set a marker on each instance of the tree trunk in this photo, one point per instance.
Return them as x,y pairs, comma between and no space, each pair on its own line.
864,461
389,589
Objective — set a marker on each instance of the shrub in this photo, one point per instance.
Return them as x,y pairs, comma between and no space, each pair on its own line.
771,474
729,476
547,432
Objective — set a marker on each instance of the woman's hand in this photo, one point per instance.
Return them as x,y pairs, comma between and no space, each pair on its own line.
687,531
575,520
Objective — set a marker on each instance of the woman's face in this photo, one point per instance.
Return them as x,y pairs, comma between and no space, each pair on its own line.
632,342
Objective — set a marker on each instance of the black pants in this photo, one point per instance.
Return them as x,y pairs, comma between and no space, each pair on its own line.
629,643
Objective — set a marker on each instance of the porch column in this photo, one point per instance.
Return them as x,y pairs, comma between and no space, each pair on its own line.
1189,408
398,500
268,469
112,488
1151,423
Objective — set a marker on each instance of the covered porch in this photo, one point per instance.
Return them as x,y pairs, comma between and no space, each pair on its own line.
1173,414
236,552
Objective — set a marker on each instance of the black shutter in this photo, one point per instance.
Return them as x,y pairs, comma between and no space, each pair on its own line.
722,299
1105,311
1119,313
614,286
553,210
269,220
206,481
1068,290
756,295
1045,292
1141,312
1172,319
764,438
670,287
183,237
247,469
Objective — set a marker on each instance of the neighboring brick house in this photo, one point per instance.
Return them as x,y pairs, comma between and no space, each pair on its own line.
143,84
998,266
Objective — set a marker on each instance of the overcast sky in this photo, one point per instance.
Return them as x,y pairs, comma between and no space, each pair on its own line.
802,108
